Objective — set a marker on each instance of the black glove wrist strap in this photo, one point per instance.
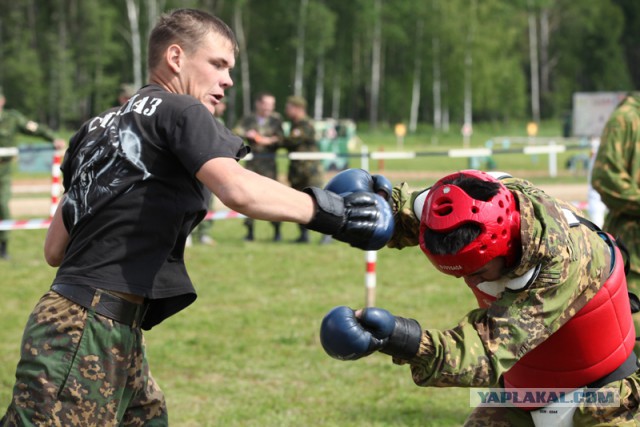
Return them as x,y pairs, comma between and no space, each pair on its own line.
404,341
330,211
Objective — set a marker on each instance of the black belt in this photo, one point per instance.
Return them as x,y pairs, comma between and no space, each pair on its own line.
627,368
104,303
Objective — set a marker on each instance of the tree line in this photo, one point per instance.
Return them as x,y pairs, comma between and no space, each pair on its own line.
436,62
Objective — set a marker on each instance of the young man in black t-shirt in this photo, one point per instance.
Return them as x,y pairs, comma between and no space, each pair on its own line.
136,180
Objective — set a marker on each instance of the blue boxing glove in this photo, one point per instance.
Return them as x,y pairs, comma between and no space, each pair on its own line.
351,209
346,337
354,180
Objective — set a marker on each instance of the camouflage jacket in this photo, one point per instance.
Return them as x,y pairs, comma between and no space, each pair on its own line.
13,122
302,138
264,156
616,175
573,263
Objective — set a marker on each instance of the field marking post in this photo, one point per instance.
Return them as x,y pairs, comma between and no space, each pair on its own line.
370,256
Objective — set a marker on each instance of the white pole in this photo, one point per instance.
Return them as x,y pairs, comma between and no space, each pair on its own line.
553,161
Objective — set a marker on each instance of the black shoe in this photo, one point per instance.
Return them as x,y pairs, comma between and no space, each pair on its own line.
302,239
277,238
3,250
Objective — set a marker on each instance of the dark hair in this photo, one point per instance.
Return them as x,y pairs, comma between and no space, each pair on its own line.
449,243
186,27
261,95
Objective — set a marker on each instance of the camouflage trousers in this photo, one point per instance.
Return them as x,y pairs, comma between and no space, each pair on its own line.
79,368
627,414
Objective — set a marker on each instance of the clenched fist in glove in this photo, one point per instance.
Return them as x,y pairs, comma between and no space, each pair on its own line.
347,337
354,208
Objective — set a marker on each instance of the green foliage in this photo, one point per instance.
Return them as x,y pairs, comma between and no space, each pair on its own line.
62,60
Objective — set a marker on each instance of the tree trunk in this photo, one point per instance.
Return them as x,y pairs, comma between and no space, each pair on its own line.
468,79
335,98
136,48
299,76
417,76
533,57
375,65
244,59
545,66
437,86
318,104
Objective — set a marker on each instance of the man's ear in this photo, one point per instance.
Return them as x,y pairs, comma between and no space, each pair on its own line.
174,55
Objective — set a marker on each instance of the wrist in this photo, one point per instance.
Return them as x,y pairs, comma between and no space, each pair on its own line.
329,214
405,339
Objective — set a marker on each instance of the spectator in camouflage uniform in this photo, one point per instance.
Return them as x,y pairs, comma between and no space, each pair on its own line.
554,263
13,122
263,131
616,177
302,138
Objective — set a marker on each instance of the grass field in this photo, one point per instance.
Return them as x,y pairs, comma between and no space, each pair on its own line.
247,352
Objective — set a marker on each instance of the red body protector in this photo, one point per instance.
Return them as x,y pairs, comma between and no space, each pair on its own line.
594,343
594,346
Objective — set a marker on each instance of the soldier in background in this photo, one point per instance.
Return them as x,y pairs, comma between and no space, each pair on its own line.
127,90
616,176
263,131
13,122
200,234
302,173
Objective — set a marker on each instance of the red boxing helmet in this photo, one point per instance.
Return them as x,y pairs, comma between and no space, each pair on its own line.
447,207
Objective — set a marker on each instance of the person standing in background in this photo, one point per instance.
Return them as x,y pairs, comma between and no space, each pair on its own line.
200,234
302,138
616,176
263,131
13,122
127,90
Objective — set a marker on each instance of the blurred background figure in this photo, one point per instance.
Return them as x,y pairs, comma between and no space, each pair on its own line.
302,173
13,122
263,131
201,234
127,90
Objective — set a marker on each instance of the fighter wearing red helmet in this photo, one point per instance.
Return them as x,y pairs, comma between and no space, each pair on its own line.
554,306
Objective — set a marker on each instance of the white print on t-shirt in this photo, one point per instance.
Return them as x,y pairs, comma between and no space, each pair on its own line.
146,106
106,166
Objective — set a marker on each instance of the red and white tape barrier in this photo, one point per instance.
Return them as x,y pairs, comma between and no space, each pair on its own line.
56,184
36,224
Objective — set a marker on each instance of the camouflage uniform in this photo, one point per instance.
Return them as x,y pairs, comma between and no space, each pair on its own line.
264,157
11,123
303,173
574,262
616,176
80,381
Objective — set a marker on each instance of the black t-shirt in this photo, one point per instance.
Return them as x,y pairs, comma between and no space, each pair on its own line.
132,197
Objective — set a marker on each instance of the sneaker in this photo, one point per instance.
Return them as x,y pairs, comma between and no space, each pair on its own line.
302,239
